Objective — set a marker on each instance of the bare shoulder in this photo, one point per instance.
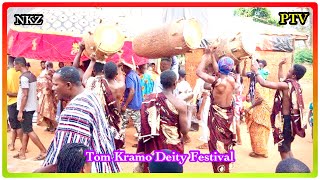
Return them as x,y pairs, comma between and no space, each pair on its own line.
120,86
231,79
180,104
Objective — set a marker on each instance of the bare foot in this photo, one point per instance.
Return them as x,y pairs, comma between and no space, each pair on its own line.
25,152
239,143
186,139
11,147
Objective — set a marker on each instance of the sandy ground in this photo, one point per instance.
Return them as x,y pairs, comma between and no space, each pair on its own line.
302,149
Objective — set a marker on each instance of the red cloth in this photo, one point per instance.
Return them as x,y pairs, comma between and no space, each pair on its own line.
57,48
169,118
295,118
220,131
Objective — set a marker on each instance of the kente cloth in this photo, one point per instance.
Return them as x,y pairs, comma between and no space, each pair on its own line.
296,103
83,121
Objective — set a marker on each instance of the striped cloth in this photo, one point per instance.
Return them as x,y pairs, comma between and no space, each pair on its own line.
83,121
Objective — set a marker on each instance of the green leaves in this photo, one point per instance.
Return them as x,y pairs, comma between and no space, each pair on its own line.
303,56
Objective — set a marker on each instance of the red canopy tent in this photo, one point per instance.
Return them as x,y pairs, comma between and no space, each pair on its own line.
57,47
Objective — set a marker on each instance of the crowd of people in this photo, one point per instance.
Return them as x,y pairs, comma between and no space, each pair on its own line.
90,108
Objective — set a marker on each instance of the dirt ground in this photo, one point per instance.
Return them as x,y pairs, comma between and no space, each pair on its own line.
302,149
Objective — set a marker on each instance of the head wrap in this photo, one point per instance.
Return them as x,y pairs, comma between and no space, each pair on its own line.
225,65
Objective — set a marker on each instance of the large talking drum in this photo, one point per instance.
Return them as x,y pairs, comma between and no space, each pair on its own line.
236,47
170,39
90,47
105,41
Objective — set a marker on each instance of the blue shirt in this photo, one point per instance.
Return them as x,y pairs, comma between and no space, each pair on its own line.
133,81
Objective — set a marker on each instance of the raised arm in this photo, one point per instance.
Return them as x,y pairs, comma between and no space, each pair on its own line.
89,70
243,73
203,102
76,60
201,70
175,65
268,84
211,59
280,71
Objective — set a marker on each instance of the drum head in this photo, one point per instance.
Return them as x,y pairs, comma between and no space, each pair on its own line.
192,33
108,39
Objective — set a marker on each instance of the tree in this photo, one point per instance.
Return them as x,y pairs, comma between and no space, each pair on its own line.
262,15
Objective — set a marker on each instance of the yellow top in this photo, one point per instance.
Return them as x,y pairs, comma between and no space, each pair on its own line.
12,84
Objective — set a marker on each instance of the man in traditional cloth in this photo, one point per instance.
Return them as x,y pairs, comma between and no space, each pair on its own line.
47,104
287,112
220,122
107,94
163,119
82,121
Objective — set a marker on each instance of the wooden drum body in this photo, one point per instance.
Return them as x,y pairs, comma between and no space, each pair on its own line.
170,39
105,41
237,47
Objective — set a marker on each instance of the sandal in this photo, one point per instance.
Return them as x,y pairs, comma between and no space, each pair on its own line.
255,155
203,146
52,130
40,157
11,147
252,154
135,145
18,156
